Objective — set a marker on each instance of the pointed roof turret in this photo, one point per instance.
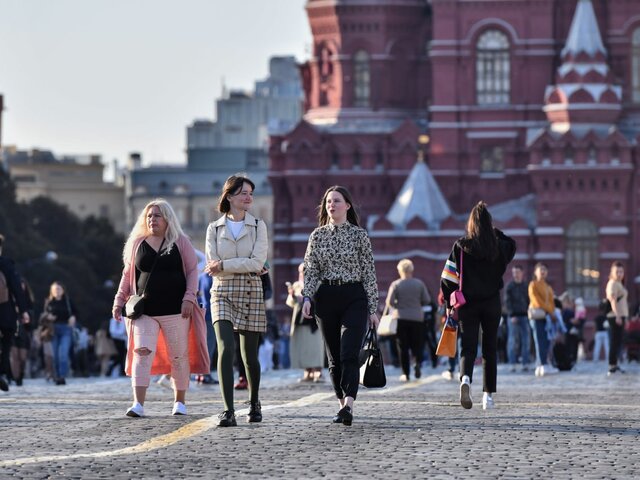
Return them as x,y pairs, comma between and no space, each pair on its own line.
584,91
420,197
584,35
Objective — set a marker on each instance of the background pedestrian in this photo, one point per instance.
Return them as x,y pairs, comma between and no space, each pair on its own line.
478,261
406,298
306,348
617,295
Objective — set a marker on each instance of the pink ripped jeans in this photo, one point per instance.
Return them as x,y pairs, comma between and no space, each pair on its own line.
176,334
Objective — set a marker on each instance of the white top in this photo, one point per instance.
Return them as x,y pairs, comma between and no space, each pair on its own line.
235,227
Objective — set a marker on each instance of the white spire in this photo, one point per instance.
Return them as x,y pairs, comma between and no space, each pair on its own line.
420,197
584,35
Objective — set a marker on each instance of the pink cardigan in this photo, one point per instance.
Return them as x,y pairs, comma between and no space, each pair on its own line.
198,353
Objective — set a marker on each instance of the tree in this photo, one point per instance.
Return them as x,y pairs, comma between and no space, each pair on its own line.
88,252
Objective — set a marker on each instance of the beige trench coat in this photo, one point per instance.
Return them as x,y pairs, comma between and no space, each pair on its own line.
236,293
245,254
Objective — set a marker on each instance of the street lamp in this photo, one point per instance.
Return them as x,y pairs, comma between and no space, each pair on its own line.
48,257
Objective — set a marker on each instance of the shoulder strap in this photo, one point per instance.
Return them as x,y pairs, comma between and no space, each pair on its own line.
152,267
461,255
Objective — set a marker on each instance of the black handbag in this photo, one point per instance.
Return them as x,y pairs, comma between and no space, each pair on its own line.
134,308
372,373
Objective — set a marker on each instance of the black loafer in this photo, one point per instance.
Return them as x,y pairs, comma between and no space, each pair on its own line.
344,416
227,419
255,413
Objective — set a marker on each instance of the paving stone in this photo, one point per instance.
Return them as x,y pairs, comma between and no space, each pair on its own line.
579,424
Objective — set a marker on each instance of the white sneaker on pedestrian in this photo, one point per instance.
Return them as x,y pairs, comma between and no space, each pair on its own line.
447,375
465,393
164,381
487,401
179,408
404,378
541,371
135,410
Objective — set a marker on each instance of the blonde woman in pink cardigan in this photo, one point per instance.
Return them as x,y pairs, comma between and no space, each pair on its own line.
170,336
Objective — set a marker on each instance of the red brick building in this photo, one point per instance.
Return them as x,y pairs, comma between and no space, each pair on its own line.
532,106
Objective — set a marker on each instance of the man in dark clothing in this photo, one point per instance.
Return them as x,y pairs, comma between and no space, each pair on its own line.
516,299
11,294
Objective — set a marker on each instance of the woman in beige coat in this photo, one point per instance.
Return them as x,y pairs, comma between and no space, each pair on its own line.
236,250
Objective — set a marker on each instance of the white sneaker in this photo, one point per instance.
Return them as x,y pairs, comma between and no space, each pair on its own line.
447,375
487,401
179,408
404,378
541,371
135,410
465,393
537,371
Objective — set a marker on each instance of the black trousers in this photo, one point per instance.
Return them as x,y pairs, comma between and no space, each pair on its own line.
342,314
616,333
410,336
430,339
7,334
474,315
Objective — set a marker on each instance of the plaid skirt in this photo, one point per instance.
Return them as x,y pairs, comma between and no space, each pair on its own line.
239,300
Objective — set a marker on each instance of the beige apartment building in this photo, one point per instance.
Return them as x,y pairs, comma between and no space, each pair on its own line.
74,181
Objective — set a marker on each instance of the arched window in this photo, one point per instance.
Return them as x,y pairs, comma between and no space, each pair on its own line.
635,65
362,77
493,69
581,261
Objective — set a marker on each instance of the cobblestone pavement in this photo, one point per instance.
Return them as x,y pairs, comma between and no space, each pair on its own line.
579,424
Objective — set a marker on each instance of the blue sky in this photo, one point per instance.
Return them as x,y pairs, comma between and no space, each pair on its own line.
114,76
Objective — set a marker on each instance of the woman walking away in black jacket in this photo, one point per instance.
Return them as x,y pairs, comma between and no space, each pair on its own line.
482,256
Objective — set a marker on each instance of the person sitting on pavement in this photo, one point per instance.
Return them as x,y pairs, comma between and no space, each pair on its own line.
170,335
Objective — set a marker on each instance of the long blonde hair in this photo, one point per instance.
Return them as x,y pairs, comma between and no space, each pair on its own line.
139,230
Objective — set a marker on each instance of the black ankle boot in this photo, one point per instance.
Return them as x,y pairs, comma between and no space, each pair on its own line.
255,413
344,416
227,419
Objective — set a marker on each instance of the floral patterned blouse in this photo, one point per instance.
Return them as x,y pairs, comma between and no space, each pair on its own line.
340,252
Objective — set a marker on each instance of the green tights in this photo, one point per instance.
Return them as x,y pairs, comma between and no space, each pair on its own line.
249,342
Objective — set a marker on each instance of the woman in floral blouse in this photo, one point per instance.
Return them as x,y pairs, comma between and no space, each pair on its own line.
340,275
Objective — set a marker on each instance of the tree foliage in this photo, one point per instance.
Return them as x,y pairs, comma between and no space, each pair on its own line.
88,252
